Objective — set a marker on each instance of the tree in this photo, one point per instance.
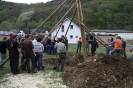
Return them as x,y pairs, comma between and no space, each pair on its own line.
23,19
5,25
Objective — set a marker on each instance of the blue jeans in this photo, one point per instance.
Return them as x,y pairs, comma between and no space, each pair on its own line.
3,57
48,49
38,58
132,57
115,51
107,51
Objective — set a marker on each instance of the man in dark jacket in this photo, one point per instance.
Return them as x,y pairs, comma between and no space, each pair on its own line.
94,45
15,50
124,47
3,49
9,45
49,44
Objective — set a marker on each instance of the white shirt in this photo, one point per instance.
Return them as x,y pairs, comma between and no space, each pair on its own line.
38,47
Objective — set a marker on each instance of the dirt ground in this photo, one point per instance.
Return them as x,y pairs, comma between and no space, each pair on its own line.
100,71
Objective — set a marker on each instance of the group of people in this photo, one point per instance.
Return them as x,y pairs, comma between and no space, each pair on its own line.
31,51
113,46
117,46
92,42
50,43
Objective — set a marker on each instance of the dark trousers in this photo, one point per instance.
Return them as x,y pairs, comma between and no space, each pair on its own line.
22,60
15,63
29,56
48,49
107,51
78,48
61,61
123,52
11,60
93,52
38,59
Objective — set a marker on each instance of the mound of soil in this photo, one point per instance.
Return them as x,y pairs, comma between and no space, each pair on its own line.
101,71
70,62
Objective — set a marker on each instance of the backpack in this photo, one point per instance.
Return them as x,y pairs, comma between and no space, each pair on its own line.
27,45
27,48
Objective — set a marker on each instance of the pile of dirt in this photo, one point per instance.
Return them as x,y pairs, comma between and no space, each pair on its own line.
98,71
101,71
70,62
50,61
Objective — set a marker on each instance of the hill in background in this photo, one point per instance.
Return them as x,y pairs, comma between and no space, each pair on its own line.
98,14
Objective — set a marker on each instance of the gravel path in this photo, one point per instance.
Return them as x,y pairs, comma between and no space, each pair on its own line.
38,80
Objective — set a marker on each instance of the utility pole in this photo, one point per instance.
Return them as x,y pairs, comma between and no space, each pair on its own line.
80,18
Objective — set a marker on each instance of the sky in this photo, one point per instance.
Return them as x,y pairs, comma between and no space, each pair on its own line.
27,1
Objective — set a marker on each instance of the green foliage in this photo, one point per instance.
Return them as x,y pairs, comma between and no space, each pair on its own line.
98,14
23,19
5,25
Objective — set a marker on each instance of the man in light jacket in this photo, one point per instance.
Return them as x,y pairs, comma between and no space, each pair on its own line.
61,49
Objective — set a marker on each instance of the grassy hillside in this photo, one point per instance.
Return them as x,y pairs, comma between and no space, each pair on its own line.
98,14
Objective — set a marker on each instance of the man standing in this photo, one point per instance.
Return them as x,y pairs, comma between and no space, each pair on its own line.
94,46
15,50
38,48
35,39
34,43
49,44
61,49
29,53
79,45
9,45
124,47
3,49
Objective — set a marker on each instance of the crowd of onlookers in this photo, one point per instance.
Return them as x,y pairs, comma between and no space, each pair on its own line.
113,46
31,51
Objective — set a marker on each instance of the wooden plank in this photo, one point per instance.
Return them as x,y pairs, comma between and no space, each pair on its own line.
94,35
1,65
71,22
47,19
80,17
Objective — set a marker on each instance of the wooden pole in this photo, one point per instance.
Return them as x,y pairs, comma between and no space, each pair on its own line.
93,34
62,23
59,21
47,19
59,28
96,37
80,17
21,65
71,22
4,62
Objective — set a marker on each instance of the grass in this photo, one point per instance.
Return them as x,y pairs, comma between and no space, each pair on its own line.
48,69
